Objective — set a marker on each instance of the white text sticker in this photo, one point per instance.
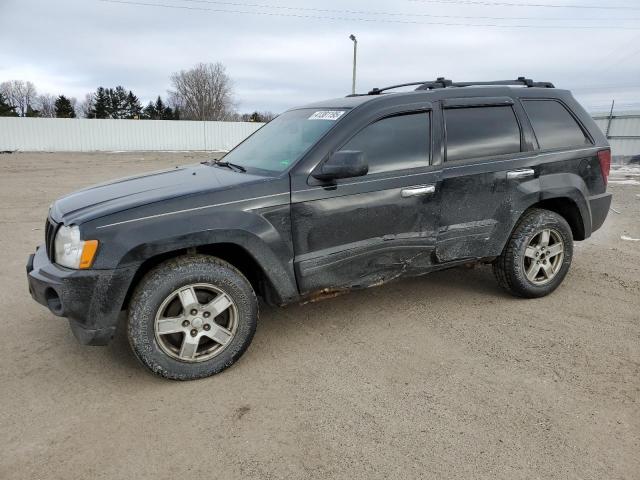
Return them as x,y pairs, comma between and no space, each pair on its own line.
327,115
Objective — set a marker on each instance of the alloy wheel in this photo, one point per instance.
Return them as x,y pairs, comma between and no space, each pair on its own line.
543,256
196,322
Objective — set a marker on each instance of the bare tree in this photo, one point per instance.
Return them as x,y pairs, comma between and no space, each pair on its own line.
77,108
267,116
45,103
19,94
256,116
86,108
204,92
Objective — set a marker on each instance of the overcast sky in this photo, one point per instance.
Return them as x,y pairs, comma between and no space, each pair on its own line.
279,54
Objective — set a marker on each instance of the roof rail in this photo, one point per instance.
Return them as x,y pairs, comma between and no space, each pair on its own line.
442,82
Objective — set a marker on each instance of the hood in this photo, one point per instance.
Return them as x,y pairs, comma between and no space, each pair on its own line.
107,198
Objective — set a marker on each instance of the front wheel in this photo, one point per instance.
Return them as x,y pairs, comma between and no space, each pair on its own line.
537,256
192,317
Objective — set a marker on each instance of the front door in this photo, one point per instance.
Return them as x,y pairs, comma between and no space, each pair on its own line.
367,230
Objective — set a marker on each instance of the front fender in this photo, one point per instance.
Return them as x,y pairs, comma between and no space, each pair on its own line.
264,233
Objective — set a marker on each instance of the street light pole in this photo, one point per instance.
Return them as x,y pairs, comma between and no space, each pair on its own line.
355,51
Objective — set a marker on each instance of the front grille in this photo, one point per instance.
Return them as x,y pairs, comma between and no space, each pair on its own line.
50,228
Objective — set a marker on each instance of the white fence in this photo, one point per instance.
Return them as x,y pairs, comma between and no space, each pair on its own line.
622,131
83,135
76,135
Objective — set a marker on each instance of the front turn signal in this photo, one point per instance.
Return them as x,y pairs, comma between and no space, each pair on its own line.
89,250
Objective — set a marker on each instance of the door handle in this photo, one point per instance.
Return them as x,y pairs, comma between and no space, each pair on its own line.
417,191
522,173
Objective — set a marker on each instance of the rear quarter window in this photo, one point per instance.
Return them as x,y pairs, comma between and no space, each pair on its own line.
554,126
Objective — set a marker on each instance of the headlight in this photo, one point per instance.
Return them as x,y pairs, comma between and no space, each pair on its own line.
72,252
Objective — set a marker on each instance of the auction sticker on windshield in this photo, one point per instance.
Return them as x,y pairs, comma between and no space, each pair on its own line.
327,115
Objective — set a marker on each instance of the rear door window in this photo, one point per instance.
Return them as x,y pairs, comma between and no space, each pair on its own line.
554,126
475,132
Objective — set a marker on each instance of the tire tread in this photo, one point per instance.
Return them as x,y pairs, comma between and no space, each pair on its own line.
504,268
169,273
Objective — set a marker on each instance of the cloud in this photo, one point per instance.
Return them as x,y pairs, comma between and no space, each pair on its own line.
73,46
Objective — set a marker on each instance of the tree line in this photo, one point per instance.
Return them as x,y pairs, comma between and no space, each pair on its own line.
204,92
120,103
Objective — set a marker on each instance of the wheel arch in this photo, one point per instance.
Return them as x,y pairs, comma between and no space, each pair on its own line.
263,283
568,209
570,205
566,194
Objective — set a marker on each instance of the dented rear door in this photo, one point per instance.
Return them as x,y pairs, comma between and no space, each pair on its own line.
484,140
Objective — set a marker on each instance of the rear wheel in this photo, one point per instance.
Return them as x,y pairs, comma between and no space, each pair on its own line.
537,256
192,317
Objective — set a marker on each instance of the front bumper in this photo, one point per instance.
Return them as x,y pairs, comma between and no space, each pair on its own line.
90,299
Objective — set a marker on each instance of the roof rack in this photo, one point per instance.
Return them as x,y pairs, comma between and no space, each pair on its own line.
442,82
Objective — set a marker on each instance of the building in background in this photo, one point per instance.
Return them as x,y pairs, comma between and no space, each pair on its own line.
623,132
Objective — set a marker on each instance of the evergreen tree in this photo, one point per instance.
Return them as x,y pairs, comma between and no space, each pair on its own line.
257,117
134,108
176,113
100,104
64,108
167,114
149,112
6,110
159,109
117,102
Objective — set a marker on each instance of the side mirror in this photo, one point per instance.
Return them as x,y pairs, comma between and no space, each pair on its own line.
342,164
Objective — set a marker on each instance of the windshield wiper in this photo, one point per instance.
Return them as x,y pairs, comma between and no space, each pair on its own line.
232,166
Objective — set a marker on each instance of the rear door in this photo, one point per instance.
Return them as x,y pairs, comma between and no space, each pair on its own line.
484,145
370,229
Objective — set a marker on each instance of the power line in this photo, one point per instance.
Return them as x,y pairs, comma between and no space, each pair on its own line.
360,19
619,59
626,57
374,12
609,86
539,5
606,61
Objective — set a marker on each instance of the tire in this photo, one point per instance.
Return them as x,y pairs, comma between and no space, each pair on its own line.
194,299
525,252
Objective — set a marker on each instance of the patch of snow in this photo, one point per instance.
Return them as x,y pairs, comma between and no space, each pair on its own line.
625,171
625,168
624,182
629,239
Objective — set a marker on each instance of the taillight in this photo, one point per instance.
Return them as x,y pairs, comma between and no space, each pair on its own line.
605,163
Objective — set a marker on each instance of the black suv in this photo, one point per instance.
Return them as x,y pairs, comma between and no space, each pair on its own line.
341,194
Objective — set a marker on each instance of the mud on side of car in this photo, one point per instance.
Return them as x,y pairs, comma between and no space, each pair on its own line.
340,194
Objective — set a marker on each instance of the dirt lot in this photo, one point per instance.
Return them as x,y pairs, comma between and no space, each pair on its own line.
439,377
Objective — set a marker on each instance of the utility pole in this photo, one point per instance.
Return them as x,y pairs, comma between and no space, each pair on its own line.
613,102
355,51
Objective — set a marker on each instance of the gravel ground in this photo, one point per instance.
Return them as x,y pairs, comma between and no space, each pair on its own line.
439,377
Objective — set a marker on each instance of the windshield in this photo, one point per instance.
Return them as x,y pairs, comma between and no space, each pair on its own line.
281,142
